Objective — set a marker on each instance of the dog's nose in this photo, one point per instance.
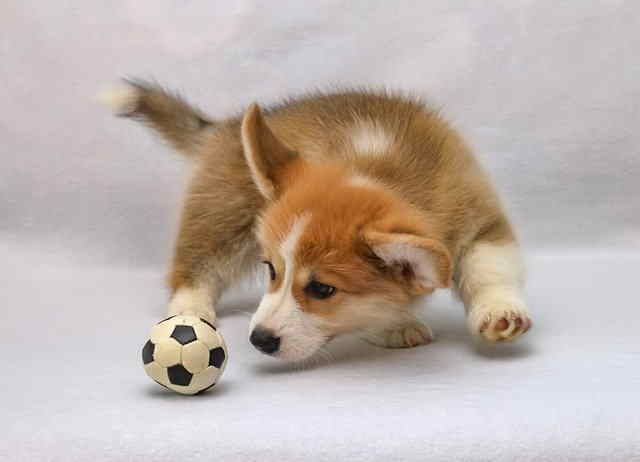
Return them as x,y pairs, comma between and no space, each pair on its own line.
264,340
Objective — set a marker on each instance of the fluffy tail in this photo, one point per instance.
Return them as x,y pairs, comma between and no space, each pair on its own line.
182,125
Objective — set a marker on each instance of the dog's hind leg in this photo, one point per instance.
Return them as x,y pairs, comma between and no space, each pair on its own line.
215,245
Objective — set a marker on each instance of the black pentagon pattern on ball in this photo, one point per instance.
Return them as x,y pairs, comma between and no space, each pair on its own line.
184,334
147,352
208,324
178,375
216,357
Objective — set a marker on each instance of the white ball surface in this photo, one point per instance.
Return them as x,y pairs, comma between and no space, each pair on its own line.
185,354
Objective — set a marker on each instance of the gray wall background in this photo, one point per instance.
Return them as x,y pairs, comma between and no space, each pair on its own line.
547,92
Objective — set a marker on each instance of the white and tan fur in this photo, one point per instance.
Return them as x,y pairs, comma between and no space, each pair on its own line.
362,203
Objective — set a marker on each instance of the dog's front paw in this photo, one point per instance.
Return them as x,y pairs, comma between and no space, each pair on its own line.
497,320
406,336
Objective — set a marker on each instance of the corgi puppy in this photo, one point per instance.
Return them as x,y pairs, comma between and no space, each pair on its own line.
359,204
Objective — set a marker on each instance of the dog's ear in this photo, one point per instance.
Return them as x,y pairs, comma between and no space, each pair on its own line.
266,155
423,264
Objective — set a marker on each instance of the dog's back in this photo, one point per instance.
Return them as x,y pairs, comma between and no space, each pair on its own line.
398,141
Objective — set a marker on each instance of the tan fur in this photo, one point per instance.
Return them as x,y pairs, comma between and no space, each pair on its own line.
422,188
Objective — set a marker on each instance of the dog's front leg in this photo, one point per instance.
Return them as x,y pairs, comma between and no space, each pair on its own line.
489,280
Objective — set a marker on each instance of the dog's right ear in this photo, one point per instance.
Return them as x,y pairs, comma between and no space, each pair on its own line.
266,155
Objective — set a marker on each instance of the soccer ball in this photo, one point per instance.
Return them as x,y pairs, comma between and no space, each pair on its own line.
185,354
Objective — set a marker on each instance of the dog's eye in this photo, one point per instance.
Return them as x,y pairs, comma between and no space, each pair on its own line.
272,270
319,290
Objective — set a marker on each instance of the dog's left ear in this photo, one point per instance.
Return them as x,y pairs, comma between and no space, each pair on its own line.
424,264
266,155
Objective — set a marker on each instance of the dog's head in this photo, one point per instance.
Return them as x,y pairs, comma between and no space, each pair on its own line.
341,252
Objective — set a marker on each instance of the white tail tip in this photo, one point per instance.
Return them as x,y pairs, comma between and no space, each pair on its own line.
122,99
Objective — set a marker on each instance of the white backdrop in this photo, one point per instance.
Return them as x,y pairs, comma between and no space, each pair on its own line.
546,91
